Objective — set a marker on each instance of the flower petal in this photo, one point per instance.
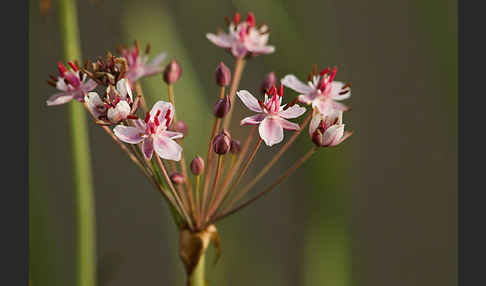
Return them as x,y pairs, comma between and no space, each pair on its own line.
270,131
249,100
128,134
162,106
253,120
221,40
148,147
123,87
333,134
288,124
118,113
89,85
157,61
173,134
59,98
291,81
291,112
95,105
337,88
167,148
262,50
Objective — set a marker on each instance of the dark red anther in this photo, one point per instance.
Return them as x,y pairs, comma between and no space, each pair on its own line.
156,118
280,92
324,71
236,19
147,117
152,128
344,92
73,66
132,116
62,68
251,19
167,118
107,106
116,100
333,74
314,69
53,77
291,104
262,105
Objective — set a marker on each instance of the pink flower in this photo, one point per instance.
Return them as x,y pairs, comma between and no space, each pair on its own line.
154,133
322,92
116,105
327,130
138,66
72,83
271,117
243,37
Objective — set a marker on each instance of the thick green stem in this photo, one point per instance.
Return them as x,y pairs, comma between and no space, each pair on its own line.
82,177
197,276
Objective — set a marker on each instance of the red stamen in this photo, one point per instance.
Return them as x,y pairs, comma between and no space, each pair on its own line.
324,71
280,92
251,19
152,128
116,100
62,68
73,66
167,118
147,117
107,106
333,74
132,116
237,18
156,118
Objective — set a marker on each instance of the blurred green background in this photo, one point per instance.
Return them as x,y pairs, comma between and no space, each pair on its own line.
381,209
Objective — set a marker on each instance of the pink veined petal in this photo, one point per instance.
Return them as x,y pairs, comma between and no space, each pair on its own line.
271,131
59,98
61,84
346,135
148,147
291,112
221,40
123,87
139,123
238,49
150,70
157,61
253,120
89,85
167,148
336,89
163,106
128,134
288,124
249,100
118,113
314,123
339,106
95,105
306,98
263,50
333,134
173,134
291,81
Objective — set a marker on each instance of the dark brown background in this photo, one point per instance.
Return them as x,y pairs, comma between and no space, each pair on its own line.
379,210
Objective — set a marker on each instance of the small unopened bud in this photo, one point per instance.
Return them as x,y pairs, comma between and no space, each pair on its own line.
180,126
269,81
222,143
197,165
177,178
172,72
235,146
223,75
222,107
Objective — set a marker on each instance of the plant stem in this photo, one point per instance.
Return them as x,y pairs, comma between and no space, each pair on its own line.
239,66
82,176
197,276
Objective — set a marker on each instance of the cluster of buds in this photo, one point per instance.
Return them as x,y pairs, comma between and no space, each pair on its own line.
151,138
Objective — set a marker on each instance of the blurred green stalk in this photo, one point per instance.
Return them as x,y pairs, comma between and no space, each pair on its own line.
197,276
82,177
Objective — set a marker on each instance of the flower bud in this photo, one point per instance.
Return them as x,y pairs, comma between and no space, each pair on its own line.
269,81
235,147
180,126
197,165
223,75
222,143
172,72
177,178
222,107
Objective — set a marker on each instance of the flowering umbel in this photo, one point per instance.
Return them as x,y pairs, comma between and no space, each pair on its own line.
216,186
243,37
72,84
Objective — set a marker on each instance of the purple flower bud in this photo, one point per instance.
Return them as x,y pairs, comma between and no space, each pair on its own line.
235,146
172,72
269,81
197,165
223,75
177,178
222,143
180,126
222,107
